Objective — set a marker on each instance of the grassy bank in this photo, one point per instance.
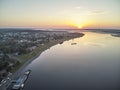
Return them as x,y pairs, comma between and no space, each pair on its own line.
41,48
36,52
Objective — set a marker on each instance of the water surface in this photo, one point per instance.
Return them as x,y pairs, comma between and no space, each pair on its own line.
91,64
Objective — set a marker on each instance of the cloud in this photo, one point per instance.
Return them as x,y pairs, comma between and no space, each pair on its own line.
78,7
98,12
86,11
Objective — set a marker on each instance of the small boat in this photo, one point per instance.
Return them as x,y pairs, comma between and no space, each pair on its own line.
61,42
27,72
73,43
116,35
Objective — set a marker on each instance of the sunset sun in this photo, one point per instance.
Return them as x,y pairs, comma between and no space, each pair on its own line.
79,26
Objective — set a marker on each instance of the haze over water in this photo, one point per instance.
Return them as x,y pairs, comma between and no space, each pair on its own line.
91,64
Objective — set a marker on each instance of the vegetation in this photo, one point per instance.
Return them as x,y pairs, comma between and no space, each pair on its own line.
16,51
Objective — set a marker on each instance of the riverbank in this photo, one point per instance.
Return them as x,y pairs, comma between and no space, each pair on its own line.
28,58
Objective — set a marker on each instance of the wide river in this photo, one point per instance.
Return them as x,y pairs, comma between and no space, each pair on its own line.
91,62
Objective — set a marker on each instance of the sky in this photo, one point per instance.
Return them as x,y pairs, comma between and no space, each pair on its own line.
60,13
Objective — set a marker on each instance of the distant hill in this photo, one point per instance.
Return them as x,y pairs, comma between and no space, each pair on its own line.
19,30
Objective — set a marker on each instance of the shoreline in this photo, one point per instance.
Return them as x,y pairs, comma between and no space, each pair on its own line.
48,45
36,53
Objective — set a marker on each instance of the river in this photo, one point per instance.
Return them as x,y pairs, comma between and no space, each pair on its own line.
91,62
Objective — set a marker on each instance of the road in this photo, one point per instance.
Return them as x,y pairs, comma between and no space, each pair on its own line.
14,76
17,74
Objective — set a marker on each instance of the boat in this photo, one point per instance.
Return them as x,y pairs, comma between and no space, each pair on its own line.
116,35
27,72
21,81
73,43
61,43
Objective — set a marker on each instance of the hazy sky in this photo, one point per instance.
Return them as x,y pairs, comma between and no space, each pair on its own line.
60,13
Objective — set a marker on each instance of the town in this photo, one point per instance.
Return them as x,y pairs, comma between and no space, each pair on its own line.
17,46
